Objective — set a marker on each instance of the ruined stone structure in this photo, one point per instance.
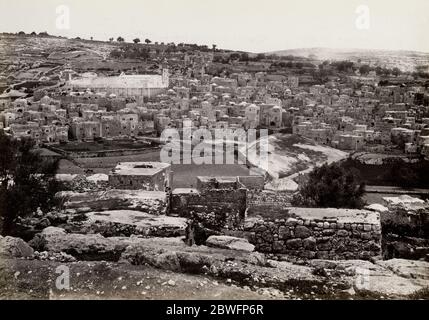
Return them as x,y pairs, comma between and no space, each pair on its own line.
405,224
226,205
218,202
149,176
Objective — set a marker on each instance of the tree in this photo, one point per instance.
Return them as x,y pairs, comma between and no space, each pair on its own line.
120,39
116,54
147,41
364,69
343,66
34,33
405,177
402,174
27,182
111,39
299,65
331,186
136,40
396,71
21,33
214,47
234,56
244,57
260,56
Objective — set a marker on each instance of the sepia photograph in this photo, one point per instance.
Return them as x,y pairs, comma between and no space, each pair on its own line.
227,151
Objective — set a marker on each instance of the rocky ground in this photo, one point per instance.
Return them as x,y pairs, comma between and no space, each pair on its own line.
133,254
166,268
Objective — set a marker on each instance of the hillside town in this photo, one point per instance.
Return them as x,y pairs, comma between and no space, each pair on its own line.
101,109
354,109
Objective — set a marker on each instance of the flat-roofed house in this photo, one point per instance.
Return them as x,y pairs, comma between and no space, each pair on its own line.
150,176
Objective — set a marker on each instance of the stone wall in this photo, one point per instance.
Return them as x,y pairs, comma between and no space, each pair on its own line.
317,233
102,153
263,201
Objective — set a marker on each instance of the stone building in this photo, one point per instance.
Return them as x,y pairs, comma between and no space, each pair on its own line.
271,116
40,134
85,130
138,86
150,176
252,116
350,142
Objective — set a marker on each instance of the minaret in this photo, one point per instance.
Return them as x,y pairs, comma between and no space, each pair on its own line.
165,77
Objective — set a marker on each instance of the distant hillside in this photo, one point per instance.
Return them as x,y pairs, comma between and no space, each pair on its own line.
405,60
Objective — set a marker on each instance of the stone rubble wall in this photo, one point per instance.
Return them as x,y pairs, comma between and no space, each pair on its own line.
264,201
315,238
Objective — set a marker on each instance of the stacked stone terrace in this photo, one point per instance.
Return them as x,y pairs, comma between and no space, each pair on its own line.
317,233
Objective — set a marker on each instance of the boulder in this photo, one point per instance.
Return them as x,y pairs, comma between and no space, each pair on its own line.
378,278
150,202
128,222
228,242
81,246
15,247
412,269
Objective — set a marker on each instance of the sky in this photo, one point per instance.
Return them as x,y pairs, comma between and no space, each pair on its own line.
247,25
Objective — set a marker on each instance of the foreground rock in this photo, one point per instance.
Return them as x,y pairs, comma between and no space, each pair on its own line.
131,222
407,268
151,202
228,242
394,279
173,254
14,247
84,246
80,246
377,279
